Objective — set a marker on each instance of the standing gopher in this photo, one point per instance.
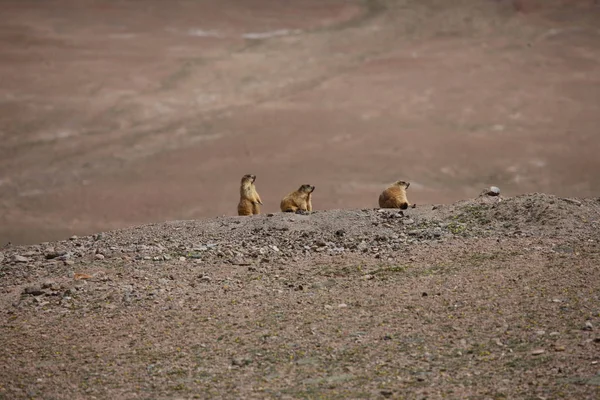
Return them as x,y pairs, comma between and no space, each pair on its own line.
395,196
299,200
249,199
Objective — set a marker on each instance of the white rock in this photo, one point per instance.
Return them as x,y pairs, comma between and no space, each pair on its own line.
493,191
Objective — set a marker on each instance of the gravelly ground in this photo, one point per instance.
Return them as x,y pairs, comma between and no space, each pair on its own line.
478,299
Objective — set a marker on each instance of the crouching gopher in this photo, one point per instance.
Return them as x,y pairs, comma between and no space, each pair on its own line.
299,200
395,196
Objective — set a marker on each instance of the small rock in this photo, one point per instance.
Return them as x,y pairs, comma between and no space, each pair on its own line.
79,277
239,261
51,253
33,290
588,326
181,258
554,333
343,305
74,237
540,333
572,201
21,259
328,307
166,257
537,352
240,362
69,262
408,221
559,348
493,191
270,214
47,285
205,278
99,256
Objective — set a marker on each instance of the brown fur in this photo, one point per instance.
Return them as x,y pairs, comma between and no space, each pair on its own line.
249,199
395,196
299,200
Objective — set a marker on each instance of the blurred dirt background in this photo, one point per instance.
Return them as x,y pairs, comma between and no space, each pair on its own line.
114,113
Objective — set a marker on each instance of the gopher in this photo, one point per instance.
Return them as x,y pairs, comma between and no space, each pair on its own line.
395,196
299,200
249,199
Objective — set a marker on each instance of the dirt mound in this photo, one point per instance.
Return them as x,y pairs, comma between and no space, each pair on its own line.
488,297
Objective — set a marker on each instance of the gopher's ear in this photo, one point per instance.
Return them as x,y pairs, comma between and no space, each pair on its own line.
407,184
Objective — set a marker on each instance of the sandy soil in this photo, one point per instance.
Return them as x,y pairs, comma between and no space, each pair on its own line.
478,299
114,114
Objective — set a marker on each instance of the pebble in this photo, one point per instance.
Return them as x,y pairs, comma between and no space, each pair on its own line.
33,290
74,237
99,256
205,278
343,305
588,326
493,191
408,221
181,258
21,259
537,352
50,253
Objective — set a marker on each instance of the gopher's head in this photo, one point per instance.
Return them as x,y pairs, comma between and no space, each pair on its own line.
306,189
403,184
247,179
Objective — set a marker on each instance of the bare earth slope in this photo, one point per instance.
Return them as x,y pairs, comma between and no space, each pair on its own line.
115,114
478,299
